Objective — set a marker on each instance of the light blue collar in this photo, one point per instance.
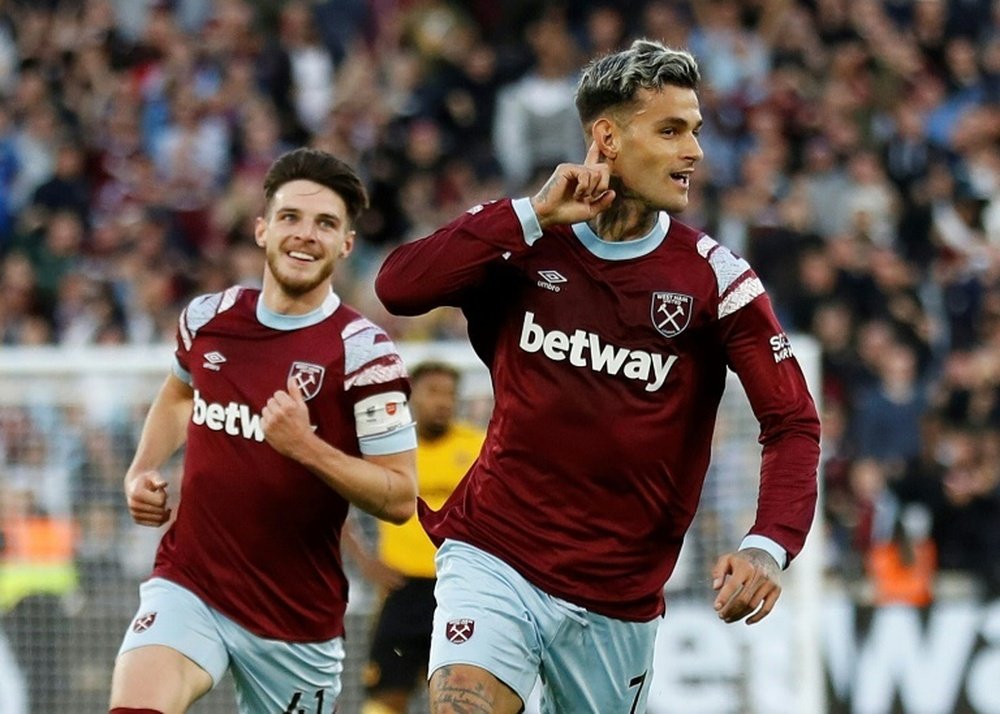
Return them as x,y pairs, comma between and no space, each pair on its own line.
277,321
623,250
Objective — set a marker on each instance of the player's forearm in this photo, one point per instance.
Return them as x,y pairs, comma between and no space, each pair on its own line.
786,504
165,428
384,486
761,354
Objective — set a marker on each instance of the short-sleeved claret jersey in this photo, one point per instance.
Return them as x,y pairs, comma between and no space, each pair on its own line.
608,363
257,535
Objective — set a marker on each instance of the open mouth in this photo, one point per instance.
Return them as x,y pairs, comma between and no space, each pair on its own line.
299,255
684,179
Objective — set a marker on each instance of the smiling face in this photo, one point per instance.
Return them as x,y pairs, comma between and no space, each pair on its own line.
652,146
305,233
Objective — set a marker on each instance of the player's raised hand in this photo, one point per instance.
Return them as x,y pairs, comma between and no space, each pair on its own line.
285,419
575,192
146,495
747,583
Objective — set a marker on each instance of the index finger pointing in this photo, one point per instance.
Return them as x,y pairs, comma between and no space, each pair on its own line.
594,156
293,388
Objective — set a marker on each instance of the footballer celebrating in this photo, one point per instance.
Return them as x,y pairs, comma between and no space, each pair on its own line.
292,406
608,327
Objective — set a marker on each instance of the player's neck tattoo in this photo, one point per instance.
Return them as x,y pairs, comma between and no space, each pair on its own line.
625,220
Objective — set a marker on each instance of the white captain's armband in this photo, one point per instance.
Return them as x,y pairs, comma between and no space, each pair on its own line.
381,414
384,424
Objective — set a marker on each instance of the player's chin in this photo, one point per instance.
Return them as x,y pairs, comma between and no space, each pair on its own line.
675,203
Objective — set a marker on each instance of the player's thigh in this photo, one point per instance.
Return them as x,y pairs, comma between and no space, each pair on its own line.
157,677
173,635
486,625
277,676
598,665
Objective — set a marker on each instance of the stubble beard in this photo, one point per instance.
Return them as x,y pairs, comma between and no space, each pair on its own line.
297,286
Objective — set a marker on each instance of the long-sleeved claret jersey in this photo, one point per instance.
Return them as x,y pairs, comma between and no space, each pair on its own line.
608,363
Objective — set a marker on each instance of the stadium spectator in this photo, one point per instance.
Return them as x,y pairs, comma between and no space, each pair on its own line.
269,490
535,126
554,550
403,565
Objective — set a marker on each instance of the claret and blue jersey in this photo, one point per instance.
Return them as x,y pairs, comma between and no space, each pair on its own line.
608,362
257,534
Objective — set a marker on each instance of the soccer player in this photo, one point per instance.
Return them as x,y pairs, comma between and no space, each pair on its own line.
292,406
608,326
404,566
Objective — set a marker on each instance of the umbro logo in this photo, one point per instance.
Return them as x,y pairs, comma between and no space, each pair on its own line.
550,280
213,361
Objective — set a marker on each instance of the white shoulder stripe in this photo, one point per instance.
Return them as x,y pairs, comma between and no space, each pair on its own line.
362,347
705,245
182,328
229,298
741,296
376,373
355,326
726,266
203,308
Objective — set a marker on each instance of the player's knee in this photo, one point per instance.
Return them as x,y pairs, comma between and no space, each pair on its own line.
130,710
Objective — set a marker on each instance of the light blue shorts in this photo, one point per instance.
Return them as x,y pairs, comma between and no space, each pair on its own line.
489,616
270,675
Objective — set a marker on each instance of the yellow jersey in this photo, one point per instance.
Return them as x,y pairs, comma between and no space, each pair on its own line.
441,464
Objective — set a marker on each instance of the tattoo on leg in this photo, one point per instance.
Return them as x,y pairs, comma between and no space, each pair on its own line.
455,695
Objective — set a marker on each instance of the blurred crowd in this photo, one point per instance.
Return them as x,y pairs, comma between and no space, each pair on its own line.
852,155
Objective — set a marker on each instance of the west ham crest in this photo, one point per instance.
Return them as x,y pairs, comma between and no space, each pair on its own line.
460,631
143,622
308,377
671,312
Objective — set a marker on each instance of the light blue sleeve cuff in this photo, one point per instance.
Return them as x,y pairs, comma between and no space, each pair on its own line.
779,554
529,221
181,373
402,439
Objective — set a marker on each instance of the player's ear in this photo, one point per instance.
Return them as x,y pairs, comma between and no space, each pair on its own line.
604,133
259,227
348,244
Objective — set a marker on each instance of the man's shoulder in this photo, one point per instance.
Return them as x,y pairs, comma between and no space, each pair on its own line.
208,305
683,233
203,309
350,322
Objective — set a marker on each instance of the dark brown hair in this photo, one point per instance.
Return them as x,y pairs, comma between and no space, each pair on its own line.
322,168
